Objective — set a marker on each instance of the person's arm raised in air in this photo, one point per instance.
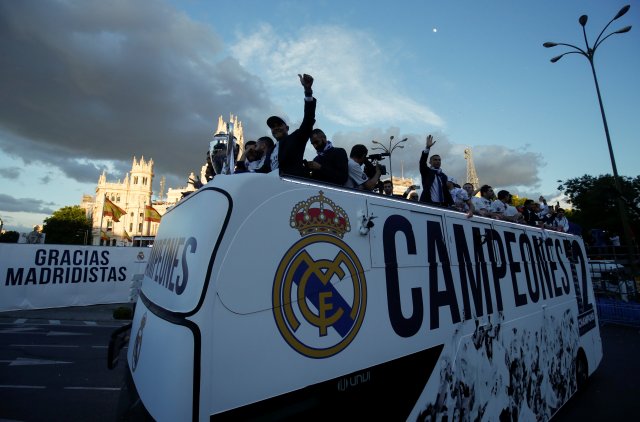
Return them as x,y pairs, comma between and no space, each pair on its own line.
424,157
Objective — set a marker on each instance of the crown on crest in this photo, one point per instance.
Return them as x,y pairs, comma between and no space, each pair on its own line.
319,214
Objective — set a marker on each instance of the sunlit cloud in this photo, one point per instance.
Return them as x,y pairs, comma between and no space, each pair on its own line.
349,68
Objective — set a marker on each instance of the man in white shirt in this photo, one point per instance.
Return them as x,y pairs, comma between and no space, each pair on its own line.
461,200
482,203
560,222
502,209
357,177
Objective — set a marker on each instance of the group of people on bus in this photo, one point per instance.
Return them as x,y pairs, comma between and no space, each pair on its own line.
360,171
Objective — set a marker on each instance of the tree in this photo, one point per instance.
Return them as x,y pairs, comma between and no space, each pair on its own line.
67,226
595,202
9,237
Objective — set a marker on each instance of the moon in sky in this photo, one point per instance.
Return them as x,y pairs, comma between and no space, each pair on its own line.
435,29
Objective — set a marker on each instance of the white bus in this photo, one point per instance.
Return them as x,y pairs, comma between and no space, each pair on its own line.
270,298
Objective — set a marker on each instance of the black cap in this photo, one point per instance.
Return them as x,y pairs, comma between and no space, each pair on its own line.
275,120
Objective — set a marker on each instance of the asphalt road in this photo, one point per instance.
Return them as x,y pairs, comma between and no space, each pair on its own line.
613,391
53,368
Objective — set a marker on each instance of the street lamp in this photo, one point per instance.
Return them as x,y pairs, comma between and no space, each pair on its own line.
389,151
85,233
589,53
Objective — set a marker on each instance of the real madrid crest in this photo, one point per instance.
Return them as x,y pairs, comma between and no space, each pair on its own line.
319,290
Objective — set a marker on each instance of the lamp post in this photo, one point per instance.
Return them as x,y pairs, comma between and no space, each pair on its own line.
83,232
589,53
389,151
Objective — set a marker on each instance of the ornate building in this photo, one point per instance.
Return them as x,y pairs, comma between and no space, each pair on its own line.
135,192
132,195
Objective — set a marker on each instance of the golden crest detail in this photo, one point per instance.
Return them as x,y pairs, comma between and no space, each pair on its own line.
319,214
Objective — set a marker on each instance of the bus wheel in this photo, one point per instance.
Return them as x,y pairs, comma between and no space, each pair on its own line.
582,371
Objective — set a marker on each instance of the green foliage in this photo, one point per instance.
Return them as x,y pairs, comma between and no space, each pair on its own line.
67,226
595,202
9,237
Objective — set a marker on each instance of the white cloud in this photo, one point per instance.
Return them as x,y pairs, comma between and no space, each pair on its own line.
352,81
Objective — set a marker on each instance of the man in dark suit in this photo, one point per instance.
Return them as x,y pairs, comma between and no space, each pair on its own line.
331,163
434,181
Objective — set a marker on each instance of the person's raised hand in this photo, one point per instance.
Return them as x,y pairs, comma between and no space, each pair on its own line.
430,141
306,81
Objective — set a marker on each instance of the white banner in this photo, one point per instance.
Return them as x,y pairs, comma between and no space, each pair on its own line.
52,276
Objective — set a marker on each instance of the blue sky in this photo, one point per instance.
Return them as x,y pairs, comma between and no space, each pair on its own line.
86,85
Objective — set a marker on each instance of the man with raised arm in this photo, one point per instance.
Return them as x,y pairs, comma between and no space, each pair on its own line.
434,181
289,149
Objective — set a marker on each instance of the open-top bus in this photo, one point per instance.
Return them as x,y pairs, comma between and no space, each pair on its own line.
269,298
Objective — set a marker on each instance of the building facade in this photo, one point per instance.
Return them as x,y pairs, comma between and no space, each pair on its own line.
135,192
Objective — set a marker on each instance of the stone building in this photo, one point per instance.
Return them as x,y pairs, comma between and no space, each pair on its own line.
135,192
132,195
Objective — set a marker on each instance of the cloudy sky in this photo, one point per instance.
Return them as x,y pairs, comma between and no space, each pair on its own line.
87,85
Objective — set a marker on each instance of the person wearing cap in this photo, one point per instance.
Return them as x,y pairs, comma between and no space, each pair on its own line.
460,197
434,181
288,152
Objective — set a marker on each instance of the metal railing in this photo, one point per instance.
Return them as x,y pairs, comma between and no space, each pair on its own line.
616,285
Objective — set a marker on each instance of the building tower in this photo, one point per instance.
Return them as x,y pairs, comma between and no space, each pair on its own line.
472,176
140,180
139,195
238,131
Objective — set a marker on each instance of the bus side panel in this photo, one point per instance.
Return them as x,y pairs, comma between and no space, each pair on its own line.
511,369
513,353
307,316
161,361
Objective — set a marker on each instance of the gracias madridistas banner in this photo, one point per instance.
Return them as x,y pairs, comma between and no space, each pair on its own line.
52,276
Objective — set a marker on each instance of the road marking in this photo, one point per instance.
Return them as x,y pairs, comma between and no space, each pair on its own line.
39,387
66,333
90,322
54,321
94,388
19,330
43,345
27,330
107,324
29,362
20,321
